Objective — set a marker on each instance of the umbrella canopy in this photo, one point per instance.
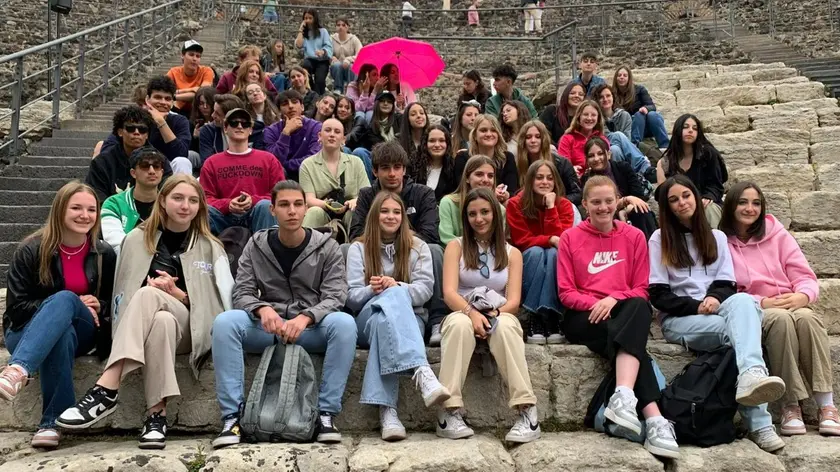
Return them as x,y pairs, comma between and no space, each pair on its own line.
418,62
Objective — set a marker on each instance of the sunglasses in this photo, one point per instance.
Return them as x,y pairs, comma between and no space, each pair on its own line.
483,268
136,128
239,124
147,165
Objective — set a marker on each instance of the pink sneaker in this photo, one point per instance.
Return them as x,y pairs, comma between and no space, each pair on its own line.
829,421
46,438
792,423
12,381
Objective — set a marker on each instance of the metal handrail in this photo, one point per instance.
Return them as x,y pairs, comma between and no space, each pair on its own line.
440,10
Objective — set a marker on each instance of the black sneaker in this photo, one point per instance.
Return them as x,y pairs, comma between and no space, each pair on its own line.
153,435
327,432
552,331
536,329
230,434
94,406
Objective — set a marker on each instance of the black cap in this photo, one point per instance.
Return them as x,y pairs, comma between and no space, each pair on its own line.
386,94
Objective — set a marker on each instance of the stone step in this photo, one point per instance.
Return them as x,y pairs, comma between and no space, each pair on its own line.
7,248
57,160
96,135
29,186
80,142
17,231
28,196
48,149
104,126
46,172
23,214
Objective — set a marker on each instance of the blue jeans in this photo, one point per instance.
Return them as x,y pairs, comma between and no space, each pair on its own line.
737,324
396,347
270,16
648,125
279,81
257,218
367,115
539,281
341,76
61,330
235,333
364,155
624,151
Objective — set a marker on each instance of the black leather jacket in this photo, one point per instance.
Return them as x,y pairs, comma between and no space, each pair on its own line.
26,293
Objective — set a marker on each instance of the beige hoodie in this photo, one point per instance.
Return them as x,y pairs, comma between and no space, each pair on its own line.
348,49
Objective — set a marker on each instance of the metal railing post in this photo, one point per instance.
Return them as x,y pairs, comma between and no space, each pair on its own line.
154,35
227,26
731,19
80,86
17,92
574,51
56,95
714,13
106,73
124,68
603,31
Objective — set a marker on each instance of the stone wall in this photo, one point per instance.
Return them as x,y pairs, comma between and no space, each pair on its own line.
805,26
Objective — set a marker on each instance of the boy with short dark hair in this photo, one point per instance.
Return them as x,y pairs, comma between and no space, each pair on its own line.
189,76
588,65
504,76
295,137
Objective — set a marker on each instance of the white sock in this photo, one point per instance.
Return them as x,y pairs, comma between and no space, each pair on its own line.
625,390
824,398
656,419
20,368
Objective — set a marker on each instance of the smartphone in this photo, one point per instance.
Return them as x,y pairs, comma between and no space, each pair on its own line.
242,197
494,321
398,89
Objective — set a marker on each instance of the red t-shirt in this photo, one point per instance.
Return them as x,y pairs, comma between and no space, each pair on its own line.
73,267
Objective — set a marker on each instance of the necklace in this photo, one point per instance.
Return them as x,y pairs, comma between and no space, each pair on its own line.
71,254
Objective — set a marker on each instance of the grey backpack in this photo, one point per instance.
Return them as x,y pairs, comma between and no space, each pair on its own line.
283,402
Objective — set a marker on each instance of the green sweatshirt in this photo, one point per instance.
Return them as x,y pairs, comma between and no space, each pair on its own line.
119,216
494,103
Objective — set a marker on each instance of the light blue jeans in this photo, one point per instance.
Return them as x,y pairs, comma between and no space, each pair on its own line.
651,124
235,333
365,156
395,343
539,281
737,324
625,151
341,76
257,218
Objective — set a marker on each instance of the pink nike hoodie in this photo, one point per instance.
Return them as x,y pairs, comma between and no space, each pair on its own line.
773,265
592,265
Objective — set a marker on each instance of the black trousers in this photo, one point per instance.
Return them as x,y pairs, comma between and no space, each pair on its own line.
318,71
626,330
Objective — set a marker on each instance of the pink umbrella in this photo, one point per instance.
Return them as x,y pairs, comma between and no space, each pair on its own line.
418,62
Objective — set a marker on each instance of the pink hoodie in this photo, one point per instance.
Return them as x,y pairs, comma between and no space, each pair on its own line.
772,266
592,265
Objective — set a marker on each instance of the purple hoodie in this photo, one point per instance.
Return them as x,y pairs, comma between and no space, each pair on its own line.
292,150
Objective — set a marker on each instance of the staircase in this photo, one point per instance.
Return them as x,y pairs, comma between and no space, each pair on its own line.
27,188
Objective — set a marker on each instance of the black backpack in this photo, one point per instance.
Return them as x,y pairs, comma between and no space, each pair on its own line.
701,399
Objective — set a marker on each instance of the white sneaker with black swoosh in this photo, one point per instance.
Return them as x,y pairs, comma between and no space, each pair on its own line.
451,425
93,407
526,428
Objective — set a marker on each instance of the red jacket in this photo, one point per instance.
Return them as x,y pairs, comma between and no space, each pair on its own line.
571,146
526,233
224,175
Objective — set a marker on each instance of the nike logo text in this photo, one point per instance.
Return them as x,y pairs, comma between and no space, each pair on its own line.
602,261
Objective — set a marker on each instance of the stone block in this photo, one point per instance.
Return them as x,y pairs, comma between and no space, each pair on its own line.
749,110
773,74
822,249
583,451
750,67
742,455
815,210
763,137
425,452
778,205
828,177
280,457
713,119
825,153
826,134
739,156
715,81
829,116
816,104
799,92
790,80
777,177
641,75
828,305
723,96
663,100
704,114
802,119
661,85
810,453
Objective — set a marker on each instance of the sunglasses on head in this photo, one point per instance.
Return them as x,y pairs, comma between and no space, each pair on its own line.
145,165
142,129
239,123
471,103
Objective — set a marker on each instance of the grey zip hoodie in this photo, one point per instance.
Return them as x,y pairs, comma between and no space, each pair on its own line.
317,285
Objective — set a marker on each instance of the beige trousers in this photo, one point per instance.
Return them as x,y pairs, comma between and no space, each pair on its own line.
797,351
506,346
151,331
316,217
714,213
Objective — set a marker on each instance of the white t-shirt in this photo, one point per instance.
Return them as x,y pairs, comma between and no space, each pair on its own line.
433,177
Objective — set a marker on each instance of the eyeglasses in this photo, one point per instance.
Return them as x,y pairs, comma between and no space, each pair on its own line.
483,268
239,124
147,165
136,128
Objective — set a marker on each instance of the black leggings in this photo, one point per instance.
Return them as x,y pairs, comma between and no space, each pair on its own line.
318,71
627,330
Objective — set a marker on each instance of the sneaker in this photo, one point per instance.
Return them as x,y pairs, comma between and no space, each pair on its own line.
792,423
431,389
536,329
327,432
12,380
829,421
46,438
451,425
554,336
621,410
392,427
153,435
755,387
526,428
661,439
434,340
767,439
93,407
230,434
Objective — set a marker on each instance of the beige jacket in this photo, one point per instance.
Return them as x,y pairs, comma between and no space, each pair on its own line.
348,49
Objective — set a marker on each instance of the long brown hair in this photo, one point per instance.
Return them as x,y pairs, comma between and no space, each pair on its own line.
270,113
53,229
509,132
523,160
499,150
599,126
472,164
242,77
530,200
674,247
623,96
199,226
498,245
730,205
372,240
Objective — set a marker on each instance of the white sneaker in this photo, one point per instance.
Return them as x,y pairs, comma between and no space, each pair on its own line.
392,427
434,340
621,410
661,439
755,387
431,389
526,428
767,439
451,425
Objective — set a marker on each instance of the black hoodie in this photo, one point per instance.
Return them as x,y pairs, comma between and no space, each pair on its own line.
420,206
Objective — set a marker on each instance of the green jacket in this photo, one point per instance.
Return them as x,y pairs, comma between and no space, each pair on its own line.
119,216
494,104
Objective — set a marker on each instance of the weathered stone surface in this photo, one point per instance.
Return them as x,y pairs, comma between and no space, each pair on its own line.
801,119
828,305
12,443
661,85
750,67
778,205
773,74
829,116
810,453
778,177
742,455
663,99
748,110
822,249
280,457
423,452
715,81
815,210
799,92
828,176
657,74
583,452
825,135
789,80
713,119
816,104
741,156
747,95
762,137
825,153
